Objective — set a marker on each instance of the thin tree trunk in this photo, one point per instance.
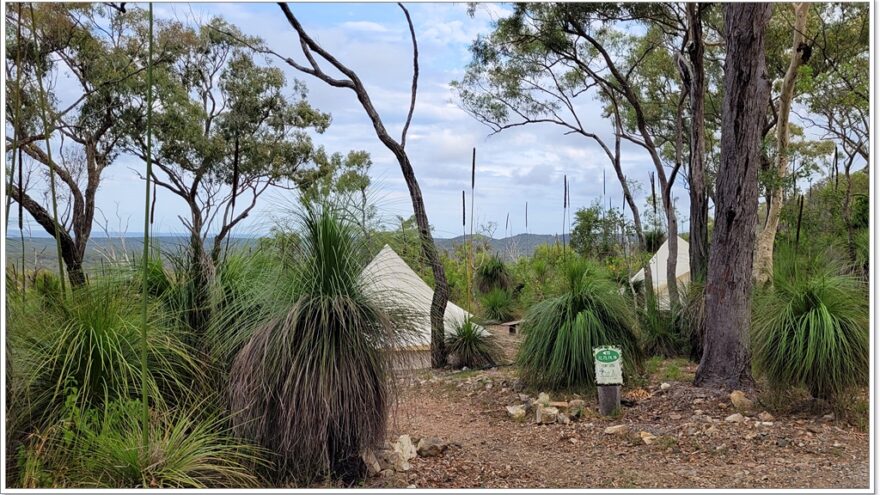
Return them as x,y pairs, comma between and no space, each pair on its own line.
351,81
763,266
699,209
726,359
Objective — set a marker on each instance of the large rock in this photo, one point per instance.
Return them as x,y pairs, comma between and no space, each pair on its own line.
516,412
740,401
431,447
545,415
372,463
404,446
617,430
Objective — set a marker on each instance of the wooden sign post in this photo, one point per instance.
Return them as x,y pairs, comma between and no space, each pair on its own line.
609,378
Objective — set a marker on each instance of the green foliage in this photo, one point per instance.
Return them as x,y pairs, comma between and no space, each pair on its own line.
811,329
101,448
497,305
472,346
660,334
47,285
491,273
597,231
561,332
91,343
311,382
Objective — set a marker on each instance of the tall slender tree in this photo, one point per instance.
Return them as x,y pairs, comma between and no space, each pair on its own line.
800,54
726,359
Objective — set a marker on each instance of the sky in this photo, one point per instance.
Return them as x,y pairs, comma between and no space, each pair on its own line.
522,165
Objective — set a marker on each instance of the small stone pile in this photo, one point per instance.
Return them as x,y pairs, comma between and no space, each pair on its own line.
546,411
395,457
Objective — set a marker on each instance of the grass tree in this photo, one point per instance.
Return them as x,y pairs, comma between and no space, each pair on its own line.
318,58
811,329
561,332
311,382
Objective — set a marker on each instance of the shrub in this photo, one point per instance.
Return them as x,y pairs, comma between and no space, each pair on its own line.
561,332
497,305
312,382
812,330
660,334
91,342
492,273
102,448
690,318
472,346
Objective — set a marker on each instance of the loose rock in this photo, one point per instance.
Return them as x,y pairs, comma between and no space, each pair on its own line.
647,437
740,401
765,416
617,430
431,447
735,418
517,412
665,386
543,398
546,415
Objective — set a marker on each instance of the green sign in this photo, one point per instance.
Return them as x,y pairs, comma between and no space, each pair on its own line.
608,355
608,365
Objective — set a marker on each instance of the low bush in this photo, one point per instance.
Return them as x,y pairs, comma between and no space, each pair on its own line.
811,330
497,305
561,332
472,346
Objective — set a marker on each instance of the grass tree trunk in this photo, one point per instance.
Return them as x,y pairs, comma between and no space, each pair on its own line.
763,267
726,357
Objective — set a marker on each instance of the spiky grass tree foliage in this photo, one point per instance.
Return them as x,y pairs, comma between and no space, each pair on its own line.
312,382
561,332
472,346
102,448
492,273
690,318
497,305
90,342
660,334
811,329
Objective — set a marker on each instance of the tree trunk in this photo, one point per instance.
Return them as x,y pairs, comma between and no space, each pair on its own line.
70,254
763,266
429,250
699,210
726,355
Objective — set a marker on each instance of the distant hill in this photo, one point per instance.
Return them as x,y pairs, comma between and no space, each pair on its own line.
40,251
507,247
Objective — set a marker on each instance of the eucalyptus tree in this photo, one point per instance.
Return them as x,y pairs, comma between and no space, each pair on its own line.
226,130
726,359
347,176
543,60
99,53
836,91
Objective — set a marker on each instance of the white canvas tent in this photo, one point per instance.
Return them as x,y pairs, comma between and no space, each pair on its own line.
658,270
389,275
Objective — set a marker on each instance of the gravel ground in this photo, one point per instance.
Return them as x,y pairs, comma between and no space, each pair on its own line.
694,446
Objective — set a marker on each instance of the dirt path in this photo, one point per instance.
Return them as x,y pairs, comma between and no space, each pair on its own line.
695,446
